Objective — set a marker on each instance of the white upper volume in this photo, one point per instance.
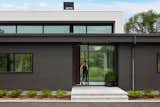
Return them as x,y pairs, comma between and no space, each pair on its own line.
65,15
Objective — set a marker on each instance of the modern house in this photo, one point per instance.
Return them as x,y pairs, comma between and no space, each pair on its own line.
44,50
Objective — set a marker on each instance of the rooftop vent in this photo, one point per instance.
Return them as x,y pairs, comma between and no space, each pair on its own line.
68,5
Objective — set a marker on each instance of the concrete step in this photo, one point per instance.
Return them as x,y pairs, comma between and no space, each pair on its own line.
98,97
98,93
103,97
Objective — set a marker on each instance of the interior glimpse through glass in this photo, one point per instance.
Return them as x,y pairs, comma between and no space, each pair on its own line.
100,61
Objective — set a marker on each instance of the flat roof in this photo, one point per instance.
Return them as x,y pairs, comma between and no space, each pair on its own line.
81,38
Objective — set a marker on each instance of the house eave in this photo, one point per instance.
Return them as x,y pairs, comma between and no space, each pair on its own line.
80,38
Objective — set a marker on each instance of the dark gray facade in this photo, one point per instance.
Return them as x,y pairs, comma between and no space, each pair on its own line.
52,67
146,75
124,67
53,60
145,66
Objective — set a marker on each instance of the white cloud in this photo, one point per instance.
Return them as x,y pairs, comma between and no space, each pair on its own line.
129,8
43,4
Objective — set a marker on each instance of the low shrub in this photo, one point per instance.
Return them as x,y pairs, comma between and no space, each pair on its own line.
31,93
15,93
3,93
150,95
110,76
135,94
146,91
61,93
46,93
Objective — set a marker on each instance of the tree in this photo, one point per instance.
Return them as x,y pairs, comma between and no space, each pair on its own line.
145,22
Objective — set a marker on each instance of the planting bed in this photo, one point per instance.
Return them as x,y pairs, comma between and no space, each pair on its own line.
38,97
146,94
145,98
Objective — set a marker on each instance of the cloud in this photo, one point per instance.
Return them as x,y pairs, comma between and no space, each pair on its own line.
43,4
129,8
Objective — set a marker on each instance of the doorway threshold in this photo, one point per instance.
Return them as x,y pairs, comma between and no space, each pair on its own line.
91,84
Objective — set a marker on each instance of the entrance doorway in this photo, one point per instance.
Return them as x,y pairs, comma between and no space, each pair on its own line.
100,60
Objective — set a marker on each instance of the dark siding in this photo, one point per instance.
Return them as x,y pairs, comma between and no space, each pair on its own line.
52,67
146,75
76,65
124,67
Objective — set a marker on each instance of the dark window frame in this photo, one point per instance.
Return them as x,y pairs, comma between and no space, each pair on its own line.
70,24
14,72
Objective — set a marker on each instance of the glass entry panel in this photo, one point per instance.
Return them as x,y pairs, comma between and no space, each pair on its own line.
100,60
84,77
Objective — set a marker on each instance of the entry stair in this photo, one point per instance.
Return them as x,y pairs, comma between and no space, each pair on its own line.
102,93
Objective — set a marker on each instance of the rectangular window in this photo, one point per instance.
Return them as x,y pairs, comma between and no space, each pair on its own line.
7,29
29,29
57,29
158,62
109,29
11,62
79,29
99,29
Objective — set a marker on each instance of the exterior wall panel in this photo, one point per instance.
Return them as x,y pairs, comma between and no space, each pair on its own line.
146,75
124,67
52,67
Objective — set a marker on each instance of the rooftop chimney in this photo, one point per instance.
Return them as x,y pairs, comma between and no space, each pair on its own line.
68,5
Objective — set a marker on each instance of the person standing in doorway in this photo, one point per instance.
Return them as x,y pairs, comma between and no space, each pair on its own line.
84,69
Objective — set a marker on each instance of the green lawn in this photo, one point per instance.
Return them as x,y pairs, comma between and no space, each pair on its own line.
96,74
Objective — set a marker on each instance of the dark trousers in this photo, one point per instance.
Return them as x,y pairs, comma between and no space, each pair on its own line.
85,76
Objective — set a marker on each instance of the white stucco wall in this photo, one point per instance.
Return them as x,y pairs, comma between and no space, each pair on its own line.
66,15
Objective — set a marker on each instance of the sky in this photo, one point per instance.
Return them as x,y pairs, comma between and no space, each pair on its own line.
129,7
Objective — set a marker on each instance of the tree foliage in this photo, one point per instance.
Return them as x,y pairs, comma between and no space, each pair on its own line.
145,22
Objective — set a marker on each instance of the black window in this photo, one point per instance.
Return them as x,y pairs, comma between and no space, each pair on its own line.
15,62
